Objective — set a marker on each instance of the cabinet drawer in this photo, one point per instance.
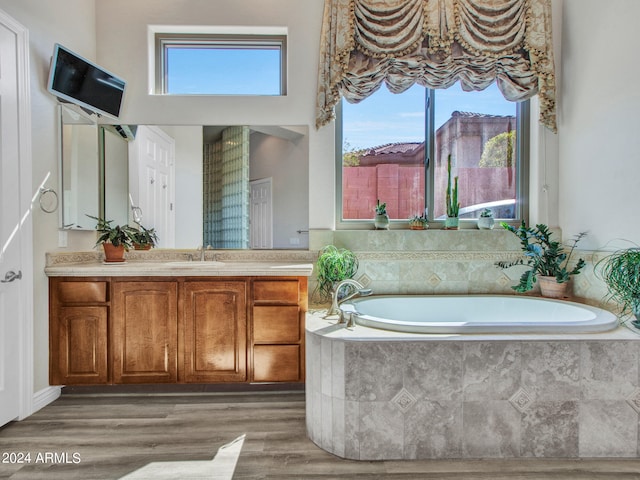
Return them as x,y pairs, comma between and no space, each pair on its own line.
276,324
82,292
281,291
276,363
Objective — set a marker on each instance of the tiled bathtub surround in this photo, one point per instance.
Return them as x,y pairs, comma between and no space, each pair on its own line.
444,262
374,396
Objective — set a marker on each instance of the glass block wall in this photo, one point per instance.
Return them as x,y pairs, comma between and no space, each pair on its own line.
226,190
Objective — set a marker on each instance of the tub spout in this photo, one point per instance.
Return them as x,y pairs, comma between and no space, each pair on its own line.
335,303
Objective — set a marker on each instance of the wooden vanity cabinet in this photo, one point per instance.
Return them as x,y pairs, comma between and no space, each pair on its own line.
132,330
78,314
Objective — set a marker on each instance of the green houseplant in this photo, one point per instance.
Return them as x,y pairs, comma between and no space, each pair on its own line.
381,220
453,206
486,221
334,265
418,222
143,238
547,260
115,240
621,273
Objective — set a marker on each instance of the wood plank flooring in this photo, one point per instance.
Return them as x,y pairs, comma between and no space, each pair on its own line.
98,436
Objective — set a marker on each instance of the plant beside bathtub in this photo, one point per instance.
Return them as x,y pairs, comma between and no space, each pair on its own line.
621,273
334,265
547,258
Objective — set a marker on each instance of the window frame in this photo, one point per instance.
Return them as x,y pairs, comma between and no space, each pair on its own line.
523,113
163,41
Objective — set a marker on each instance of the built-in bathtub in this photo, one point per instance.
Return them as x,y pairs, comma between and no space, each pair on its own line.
477,314
375,394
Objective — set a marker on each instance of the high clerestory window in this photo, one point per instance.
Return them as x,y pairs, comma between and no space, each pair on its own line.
220,64
394,148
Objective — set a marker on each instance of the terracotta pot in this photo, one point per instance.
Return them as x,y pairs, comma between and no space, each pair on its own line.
112,253
146,246
550,288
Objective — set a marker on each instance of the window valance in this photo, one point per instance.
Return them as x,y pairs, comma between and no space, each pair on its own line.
435,43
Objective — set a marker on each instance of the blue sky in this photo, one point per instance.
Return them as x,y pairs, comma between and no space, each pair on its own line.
385,117
241,71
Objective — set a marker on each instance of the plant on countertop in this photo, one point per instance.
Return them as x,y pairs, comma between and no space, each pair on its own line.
115,235
381,221
621,273
334,265
453,206
544,256
143,238
486,221
381,208
418,222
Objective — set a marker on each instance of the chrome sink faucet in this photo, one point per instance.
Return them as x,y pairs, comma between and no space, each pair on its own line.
335,303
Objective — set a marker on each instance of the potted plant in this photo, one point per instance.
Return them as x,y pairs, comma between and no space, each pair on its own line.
381,220
334,265
115,240
143,238
621,273
486,221
547,259
453,206
418,222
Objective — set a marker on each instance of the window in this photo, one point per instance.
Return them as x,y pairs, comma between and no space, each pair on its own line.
220,64
394,147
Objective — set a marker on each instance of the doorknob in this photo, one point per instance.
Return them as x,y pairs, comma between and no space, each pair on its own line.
11,276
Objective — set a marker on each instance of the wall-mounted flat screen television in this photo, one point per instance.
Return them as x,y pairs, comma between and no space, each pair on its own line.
77,80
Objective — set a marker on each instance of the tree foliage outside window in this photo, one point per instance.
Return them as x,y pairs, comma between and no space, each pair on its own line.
495,151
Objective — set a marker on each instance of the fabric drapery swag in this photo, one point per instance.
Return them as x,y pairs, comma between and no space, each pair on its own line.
435,43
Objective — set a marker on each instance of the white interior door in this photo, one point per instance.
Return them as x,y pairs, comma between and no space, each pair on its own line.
261,216
15,233
152,181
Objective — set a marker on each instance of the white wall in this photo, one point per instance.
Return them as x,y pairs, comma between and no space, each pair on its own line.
599,121
72,23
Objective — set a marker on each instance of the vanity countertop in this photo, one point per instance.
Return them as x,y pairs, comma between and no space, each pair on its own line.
86,264
180,269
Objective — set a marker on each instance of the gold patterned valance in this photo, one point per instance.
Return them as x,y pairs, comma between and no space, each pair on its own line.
435,43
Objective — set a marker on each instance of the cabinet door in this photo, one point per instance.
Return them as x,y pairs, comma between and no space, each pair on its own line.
144,332
215,331
78,346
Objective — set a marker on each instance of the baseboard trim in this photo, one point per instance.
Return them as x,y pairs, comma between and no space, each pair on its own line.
44,397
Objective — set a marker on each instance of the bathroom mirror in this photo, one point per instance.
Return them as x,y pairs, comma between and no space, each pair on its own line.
226,186
79,169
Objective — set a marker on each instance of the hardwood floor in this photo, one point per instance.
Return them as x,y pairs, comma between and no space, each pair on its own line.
98,436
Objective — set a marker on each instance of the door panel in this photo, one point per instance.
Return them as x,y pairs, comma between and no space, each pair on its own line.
215,326
144,332
11,310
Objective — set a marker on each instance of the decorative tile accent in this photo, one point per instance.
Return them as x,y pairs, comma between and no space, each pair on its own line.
364,280
521,400
634,400
434,280
403,400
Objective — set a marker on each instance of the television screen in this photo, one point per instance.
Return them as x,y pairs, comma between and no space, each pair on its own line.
76,80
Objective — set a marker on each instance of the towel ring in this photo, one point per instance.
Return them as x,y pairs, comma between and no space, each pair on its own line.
48,200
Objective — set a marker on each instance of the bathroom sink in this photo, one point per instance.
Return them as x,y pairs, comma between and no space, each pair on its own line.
196,264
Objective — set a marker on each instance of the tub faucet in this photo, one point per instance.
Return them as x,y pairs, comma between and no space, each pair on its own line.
335,303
